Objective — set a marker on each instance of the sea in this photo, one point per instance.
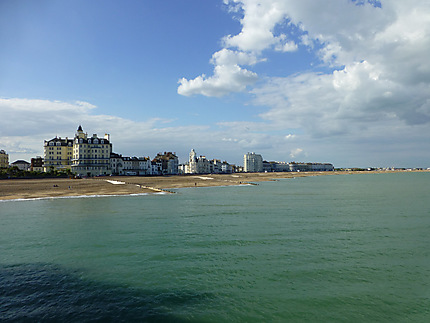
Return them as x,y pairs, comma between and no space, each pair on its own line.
340,248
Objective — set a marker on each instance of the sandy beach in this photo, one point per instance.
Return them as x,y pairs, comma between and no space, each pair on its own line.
123,185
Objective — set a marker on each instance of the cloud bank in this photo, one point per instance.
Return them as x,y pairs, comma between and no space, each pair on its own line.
228,75
373,77
26,123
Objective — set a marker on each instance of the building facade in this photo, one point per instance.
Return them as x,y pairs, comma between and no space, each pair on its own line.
198,165
252,162
311,167
58,154
201,165
91,155
169,163
21,164
116,164
4,159
36,164
131,165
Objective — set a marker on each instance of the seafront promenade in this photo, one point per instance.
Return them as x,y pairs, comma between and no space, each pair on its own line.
125,185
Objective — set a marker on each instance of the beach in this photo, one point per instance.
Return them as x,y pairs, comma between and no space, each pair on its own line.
12,189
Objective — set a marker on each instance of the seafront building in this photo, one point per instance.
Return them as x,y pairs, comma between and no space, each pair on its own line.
36,164
4,159
169,163
220,167
58,153
311,167
133,166
197,165
273,166
255,163
21,164
252,163
162,164
91,155
201,165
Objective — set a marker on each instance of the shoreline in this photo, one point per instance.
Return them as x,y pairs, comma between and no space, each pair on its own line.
28,189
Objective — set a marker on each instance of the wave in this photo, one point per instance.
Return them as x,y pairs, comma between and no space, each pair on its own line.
77,197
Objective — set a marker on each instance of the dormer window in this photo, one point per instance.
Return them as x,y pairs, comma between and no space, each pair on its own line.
51,143
96,141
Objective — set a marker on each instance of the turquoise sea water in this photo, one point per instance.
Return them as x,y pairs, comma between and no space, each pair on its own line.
347,248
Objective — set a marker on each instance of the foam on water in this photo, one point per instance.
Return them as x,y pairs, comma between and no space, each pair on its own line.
74,197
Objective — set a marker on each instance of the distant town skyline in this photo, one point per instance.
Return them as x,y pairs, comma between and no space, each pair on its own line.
345,82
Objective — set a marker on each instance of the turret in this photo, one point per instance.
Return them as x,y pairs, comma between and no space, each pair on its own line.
80,133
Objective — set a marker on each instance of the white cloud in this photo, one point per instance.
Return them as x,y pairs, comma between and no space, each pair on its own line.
228,76
259,20
229,57
296,153
288,46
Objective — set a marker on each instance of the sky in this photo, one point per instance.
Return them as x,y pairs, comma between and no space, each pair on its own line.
339,81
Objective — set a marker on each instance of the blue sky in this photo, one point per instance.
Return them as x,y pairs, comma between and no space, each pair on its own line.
345,82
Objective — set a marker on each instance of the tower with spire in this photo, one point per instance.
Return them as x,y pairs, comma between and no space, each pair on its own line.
80,133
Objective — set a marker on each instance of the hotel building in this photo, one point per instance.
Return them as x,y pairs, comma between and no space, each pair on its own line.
91,155
58,154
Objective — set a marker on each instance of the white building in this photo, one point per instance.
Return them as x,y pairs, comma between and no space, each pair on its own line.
21,164
201,165
219,167
145,166
252,162
198,165
116,164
